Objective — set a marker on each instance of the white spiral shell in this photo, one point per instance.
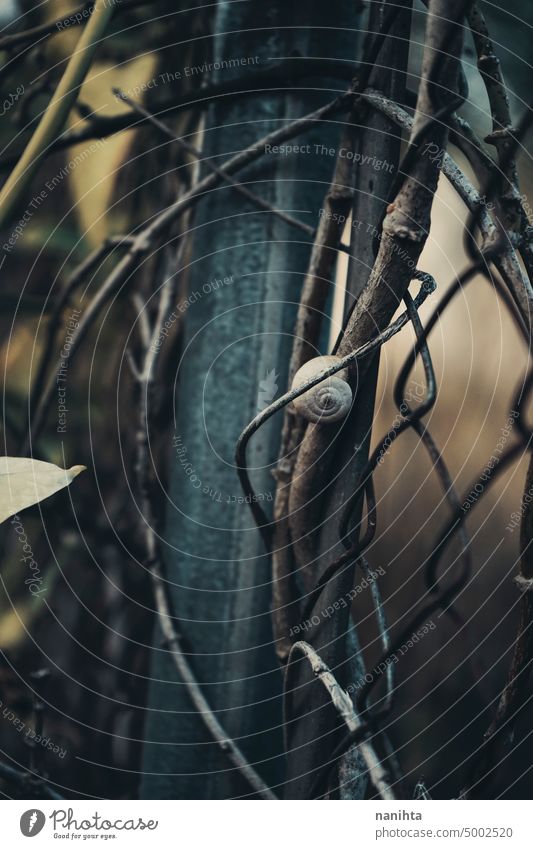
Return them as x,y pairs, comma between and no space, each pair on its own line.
328,401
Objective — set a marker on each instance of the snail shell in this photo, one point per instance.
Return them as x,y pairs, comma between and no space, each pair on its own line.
328,401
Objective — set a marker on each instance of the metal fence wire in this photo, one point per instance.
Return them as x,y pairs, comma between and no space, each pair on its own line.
364,721
497,236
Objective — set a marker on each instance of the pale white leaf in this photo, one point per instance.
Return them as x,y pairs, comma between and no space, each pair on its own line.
24,482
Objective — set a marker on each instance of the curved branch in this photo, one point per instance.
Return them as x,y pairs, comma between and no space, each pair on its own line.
144,376
506,262
57,110
143,241
275,79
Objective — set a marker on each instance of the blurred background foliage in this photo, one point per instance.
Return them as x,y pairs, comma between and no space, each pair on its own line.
93,630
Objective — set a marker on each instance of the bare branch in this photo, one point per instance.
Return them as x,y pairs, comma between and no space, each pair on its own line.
75,18
505,261
276,77
344,707
142,242
211,166
516,693
75,279
316,288
167,621
405,231
57,111
491,73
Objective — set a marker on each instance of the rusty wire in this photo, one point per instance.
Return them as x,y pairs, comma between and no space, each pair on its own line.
437,598
263,522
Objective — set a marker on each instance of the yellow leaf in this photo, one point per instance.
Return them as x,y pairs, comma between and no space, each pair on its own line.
24,482
91,168
14,624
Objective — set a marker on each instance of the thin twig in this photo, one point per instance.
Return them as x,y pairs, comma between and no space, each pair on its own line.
57,111
275,79
381,622
502,129
75,279
7,42
516,692
505,260
75,18
144,374
343,705
400,242
263,522
211,166
405,231
143,241
315,290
